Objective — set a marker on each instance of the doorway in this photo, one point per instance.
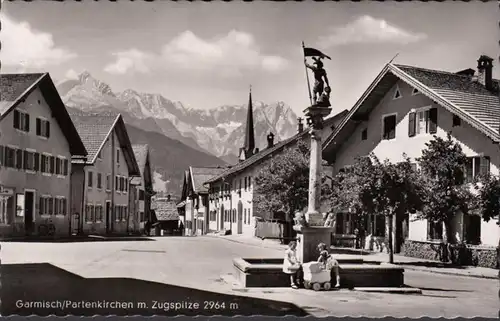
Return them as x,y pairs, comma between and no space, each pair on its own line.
29,211
222,217
240,218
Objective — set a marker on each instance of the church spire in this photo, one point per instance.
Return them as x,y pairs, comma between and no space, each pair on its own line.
249,145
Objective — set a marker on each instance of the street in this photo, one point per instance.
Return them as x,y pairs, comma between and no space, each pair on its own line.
187,270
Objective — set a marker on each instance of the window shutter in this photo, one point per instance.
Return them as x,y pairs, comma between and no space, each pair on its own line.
25,160
38,127
58,166
2,163
52,164
47,123
66,167
27,120
36,159
19,158
56,206
433,120
412,124
16,119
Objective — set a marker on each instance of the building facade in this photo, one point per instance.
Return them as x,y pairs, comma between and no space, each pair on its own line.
196,203
101,183
399,113
143,186
37,142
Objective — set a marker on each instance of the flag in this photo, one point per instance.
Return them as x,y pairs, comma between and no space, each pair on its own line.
311,52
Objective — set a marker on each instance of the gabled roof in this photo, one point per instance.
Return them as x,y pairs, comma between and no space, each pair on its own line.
199,175
15,88
457,93
95,129
269,151
165,210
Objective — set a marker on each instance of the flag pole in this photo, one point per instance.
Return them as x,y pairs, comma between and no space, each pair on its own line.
307,75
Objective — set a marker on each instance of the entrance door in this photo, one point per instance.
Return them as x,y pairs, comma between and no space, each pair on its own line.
108,216
240,218
29,209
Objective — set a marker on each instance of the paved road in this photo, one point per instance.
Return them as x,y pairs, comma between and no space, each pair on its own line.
190,265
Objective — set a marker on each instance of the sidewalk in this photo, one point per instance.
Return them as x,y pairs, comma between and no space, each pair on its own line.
409,263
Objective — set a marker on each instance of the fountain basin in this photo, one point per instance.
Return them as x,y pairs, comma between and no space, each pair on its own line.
354,272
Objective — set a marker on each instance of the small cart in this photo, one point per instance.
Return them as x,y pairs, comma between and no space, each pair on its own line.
316,277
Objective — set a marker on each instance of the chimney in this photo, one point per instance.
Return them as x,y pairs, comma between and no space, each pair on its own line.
485,72
301,125
270,140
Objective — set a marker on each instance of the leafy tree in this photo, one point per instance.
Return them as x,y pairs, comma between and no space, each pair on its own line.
443,168
398,191
488,200
282,184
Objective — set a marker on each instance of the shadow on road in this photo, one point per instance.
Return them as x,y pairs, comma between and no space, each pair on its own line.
75,239
444,290
43,283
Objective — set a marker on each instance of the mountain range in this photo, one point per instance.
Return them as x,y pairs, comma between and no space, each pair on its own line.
217,132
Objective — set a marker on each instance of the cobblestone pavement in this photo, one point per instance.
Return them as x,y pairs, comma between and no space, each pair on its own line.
197,263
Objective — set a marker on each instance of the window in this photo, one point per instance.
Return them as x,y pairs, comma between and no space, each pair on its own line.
45,164
246,184
422,121
141,215
60,206
250,182
476,166
20,205
397,93
42,128
99,180
116,183
234,215
434,230
472,229
389,127
10,157
141,195
364,134
44,205
456,121
98,213
21,120
29,161
52,164
90,179
108,182
415,91
61,166
89,213
118,156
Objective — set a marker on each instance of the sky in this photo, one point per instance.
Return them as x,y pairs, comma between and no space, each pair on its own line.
207,54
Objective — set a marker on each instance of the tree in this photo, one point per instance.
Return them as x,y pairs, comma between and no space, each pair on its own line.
353,190
488,200
398,191
282,184
443,167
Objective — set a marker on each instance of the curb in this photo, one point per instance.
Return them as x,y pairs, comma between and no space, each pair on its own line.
389,290
482,276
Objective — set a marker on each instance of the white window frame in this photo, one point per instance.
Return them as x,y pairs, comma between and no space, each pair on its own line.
474,158
395,92
45,198
383,129
58,199
43,129
21,129
417,112
61,167
97,181
3,210
47,165
32,151
101,209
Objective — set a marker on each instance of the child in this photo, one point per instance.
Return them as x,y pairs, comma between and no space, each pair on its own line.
291,264
328,262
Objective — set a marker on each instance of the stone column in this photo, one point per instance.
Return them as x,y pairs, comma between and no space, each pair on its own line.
314,232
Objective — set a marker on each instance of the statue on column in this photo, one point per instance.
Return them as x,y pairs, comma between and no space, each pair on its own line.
321,94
